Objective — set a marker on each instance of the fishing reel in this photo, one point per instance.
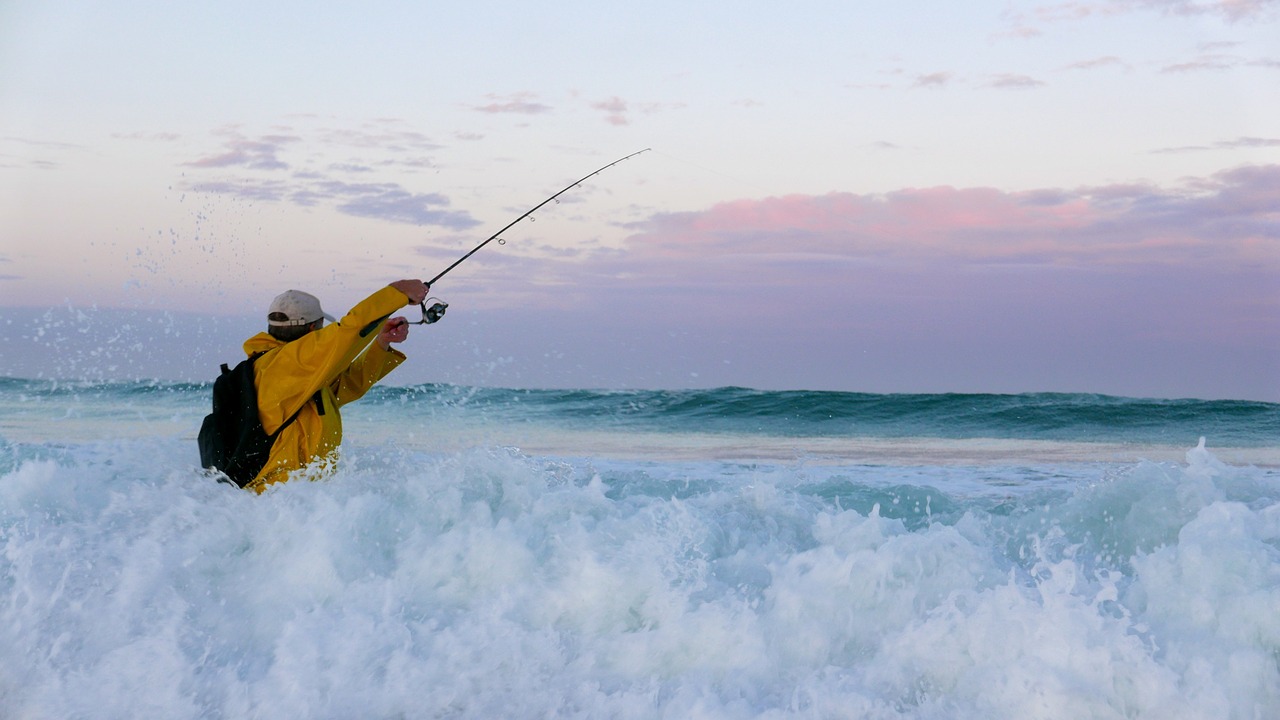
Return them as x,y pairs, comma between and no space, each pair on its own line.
432,314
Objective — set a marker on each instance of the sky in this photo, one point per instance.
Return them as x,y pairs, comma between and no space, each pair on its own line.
874,196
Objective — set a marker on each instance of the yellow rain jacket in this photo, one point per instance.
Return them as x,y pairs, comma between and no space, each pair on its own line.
319,372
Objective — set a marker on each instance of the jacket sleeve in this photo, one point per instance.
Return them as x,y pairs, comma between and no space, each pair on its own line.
300,368
372,365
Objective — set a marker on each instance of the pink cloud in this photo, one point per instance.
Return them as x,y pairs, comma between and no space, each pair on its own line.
523,103
615,110
1227,216
1101,62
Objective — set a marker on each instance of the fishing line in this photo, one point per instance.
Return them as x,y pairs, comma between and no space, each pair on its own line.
436,311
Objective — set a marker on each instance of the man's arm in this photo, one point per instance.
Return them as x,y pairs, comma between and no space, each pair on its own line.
374,364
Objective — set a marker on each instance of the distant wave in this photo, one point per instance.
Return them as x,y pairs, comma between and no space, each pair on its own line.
1030,416
1048,416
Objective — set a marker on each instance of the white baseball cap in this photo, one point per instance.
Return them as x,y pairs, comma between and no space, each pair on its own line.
294,307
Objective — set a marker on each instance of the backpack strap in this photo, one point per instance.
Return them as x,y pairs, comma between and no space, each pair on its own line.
294,416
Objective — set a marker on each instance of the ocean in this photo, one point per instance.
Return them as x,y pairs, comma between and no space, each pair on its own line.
725,553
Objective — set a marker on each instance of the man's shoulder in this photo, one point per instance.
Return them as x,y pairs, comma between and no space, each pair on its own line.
260,343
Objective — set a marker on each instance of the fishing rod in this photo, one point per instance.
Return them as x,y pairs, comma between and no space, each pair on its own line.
436,311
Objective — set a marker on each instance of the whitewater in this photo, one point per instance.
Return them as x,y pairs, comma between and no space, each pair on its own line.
729,553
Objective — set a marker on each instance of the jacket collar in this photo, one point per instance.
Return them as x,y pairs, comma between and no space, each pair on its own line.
260,343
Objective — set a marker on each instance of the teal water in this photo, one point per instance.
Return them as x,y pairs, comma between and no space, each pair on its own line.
1040,416
1034,416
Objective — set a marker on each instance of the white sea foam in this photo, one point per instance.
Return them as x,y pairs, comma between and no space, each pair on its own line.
491,583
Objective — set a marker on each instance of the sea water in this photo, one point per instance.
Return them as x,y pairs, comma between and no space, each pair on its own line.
482,553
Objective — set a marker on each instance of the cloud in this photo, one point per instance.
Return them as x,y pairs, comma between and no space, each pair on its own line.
248,189
1229,10
383,142
46,144
381,201
154,136
1218,61
389,201
1213,58
1216,45
387,134
522,103
1228,218
261,153
1025,25
15,161
1095,63
23,159
933,80
1014,82
350,167
615,110
1203,63
1240,143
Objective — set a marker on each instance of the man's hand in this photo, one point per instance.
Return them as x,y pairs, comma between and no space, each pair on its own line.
394,331
415,290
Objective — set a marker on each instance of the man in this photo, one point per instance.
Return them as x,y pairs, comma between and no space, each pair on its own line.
313,369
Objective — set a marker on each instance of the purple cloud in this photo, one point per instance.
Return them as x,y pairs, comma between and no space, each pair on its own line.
1014,82
350,167
520,104
380,201
259,154
270,191
311,184
387,134
1236,144
389,201
934,80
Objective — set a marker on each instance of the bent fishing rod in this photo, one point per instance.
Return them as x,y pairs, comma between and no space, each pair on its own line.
436,311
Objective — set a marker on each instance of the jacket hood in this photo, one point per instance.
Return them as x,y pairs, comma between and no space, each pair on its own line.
261,343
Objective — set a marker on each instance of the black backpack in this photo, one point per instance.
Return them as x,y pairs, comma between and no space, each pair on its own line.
232,439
